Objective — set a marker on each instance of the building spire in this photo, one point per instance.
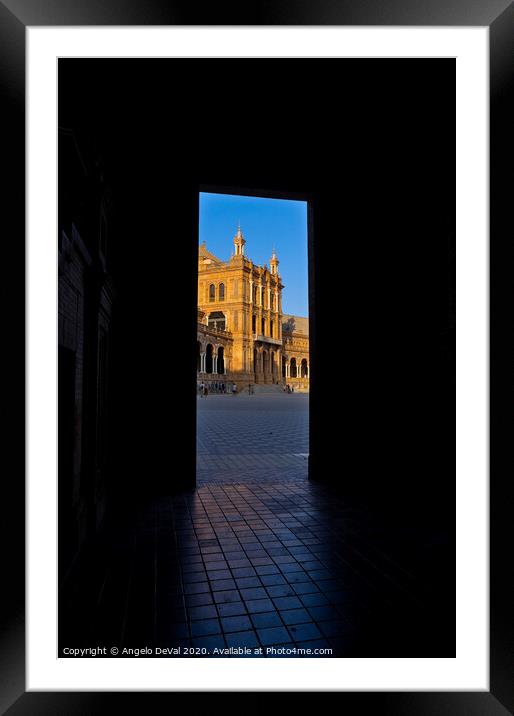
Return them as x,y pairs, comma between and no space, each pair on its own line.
274,262
239,241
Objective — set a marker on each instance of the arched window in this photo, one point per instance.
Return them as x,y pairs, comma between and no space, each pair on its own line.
216,320
254,324
212,292
221,292
271,328
263,326
293,371
303,369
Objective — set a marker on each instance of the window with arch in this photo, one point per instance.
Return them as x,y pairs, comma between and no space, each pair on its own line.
254,324
221,292
212,292
217,321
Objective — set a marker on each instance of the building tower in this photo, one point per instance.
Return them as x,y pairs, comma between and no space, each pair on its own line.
239,242
274,263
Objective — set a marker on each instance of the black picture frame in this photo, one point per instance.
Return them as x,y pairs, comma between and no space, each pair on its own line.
15,17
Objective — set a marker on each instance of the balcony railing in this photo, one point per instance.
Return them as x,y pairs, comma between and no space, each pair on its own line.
267,339
216,331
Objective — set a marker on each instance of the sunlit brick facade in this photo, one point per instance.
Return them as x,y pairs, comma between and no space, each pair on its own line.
243,335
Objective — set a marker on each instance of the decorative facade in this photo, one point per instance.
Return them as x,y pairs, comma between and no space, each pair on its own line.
243,337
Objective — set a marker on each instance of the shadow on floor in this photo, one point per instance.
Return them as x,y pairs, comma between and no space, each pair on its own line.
262,566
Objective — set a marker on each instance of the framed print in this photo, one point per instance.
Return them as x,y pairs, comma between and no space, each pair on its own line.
259,426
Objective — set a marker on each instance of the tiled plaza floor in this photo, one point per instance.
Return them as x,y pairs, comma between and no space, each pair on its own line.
257,557
253,439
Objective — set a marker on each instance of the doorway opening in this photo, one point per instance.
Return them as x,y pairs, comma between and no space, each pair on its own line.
253,342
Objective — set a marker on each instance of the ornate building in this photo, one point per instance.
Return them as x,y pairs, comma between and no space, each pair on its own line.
243,336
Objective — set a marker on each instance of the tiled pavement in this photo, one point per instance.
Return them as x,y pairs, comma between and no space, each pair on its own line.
253,566
253,439
271,562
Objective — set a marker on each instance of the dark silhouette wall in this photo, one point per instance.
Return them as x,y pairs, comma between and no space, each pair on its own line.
370,143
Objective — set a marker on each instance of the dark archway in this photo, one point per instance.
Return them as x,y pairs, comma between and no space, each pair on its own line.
304,372
265,362
208,358
284,363
293,370
221,361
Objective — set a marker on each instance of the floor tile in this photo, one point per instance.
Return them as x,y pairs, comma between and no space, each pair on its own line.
218,585
202,612
253,593
295,616
266,619
244,638
205,627
236,623
272,579
314,600
273,635
231,595
254,606
283,603
231,609
303,632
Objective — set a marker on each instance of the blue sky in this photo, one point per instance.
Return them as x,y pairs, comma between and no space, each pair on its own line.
265,223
